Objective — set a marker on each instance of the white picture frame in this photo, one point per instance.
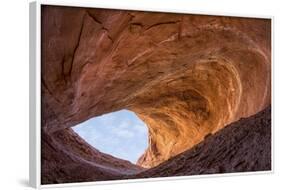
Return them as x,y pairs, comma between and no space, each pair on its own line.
35,91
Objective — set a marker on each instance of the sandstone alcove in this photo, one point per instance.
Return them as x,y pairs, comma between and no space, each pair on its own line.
202,84
121,134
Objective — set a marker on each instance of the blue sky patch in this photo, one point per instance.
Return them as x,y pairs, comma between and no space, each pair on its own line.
121,134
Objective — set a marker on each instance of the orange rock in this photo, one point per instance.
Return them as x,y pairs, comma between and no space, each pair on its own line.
185,76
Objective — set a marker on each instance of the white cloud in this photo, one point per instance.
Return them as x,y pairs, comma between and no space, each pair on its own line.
124,124
124,133
107,119
141,129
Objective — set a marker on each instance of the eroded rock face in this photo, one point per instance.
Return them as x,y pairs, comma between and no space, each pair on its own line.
242,146
67,158
186,76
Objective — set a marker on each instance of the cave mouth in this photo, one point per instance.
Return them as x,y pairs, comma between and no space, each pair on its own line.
121,134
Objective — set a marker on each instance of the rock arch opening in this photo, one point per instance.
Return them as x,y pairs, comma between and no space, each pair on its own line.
121,134
185,76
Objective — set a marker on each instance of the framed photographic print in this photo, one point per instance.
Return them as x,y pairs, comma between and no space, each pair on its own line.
120,94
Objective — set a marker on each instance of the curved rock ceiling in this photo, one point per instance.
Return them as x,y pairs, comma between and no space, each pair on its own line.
186,76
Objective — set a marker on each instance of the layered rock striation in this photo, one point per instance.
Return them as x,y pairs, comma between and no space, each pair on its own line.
242,146
67,158
186,76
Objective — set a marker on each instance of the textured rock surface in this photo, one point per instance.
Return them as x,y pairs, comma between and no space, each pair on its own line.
68,158
186,76
241,146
